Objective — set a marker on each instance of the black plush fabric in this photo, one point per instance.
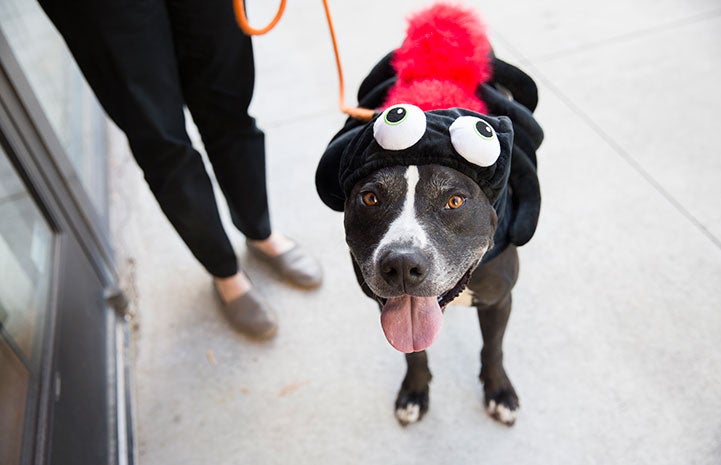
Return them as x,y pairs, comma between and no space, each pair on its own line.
363,155
511,184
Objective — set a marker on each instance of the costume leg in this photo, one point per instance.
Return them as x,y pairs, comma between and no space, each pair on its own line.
215,60
126,52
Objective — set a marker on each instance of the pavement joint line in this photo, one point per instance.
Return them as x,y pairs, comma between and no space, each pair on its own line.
637,34
615,146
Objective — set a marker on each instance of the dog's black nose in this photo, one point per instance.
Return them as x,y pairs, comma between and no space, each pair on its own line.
404,269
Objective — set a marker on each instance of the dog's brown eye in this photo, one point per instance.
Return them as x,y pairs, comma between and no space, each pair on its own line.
370,199
455,202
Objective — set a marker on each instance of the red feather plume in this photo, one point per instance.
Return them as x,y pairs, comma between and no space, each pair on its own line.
443,59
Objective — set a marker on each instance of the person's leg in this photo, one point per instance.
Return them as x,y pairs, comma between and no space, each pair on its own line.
126,52
217,73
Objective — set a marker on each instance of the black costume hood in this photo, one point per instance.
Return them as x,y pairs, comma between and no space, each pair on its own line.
508,97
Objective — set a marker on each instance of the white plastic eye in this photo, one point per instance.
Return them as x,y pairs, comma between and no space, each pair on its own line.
475,140
399,127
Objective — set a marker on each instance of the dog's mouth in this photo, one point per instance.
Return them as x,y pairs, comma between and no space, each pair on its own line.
412,323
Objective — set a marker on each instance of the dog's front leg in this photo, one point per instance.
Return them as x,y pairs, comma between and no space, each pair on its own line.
412,401
491,286
500,397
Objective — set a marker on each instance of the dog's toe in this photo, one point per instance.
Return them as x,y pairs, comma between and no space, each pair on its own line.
500,399
410,413
502,412
410,406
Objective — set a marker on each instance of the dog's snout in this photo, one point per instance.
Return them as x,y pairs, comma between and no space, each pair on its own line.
404,269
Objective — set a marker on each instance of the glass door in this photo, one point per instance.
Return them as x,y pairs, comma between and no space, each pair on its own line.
65,99
26,251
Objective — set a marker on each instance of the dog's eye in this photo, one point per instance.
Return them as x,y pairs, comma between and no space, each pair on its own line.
369,199
399,127
475,140
455,201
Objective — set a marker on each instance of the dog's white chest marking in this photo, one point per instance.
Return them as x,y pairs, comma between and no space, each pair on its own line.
406,227
465,299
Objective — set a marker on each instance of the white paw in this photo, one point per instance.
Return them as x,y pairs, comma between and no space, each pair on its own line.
501,413
411,413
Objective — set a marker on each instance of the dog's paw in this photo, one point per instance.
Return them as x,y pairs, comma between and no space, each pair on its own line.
410,407
503,406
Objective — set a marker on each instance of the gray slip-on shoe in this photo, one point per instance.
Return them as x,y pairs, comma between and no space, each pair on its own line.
294,265
250,314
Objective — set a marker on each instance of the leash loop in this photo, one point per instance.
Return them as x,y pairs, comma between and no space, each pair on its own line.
242,19
363,114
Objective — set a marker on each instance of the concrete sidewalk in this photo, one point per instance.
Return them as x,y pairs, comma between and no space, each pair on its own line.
614,345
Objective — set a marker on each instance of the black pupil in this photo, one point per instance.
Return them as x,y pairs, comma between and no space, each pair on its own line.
396,115
484,129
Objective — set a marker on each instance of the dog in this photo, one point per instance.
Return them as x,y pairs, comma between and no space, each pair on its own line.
438,190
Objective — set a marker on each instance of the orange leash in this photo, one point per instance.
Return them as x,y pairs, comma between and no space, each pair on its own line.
363,114
242,19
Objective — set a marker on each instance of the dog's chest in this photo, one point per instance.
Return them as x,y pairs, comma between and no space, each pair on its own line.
465,299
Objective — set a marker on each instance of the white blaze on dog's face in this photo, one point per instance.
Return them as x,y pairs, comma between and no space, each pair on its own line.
415,232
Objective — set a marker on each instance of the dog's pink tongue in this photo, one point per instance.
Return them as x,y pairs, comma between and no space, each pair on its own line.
411,323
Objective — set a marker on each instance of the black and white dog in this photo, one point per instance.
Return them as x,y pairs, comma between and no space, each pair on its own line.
437,201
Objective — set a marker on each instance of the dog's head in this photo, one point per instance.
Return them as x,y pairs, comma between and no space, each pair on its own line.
416,233
419,191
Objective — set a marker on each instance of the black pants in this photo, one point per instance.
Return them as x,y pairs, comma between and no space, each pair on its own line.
145,60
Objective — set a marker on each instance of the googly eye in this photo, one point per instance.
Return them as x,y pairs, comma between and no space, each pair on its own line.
399,127
475,140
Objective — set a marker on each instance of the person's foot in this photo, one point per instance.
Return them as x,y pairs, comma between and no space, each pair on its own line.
288,259
244,308
232,287
274,245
